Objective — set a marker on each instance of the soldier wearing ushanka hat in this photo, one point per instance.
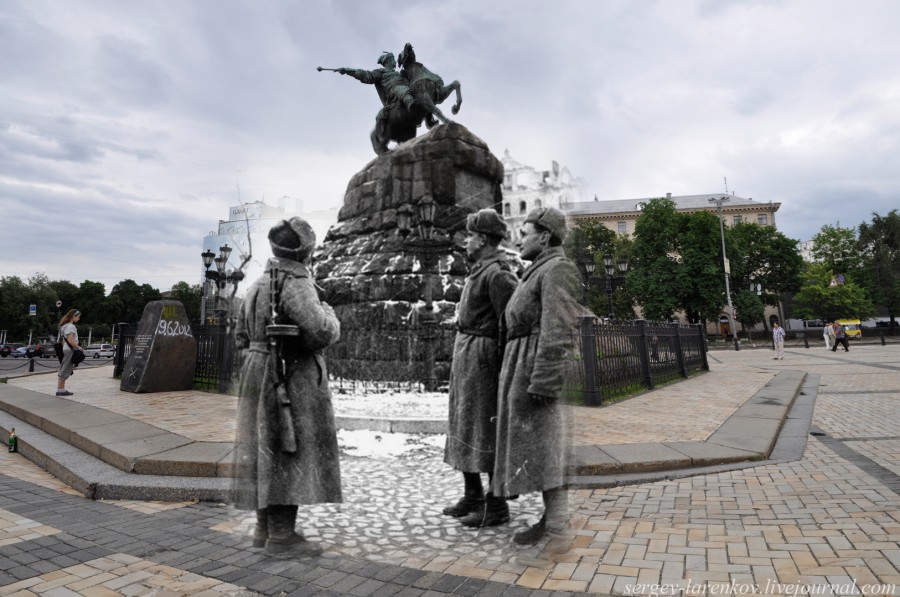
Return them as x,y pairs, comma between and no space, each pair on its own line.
541,317
477,351
284,393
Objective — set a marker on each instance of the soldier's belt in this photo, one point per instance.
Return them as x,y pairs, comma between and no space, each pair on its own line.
490,333
520,332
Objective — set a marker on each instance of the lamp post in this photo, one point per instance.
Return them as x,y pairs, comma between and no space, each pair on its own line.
220,277
719,201
611,277
613,281
430,247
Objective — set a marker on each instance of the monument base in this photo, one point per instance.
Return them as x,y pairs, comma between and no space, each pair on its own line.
396,296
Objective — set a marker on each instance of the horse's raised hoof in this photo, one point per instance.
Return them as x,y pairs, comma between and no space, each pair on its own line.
455,109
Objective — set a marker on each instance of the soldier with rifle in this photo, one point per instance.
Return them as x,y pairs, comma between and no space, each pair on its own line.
287,452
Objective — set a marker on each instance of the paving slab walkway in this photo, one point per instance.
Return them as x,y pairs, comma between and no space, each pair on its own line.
827,519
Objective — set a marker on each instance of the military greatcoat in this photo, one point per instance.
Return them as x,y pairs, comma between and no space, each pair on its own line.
541,319
267,475
472,426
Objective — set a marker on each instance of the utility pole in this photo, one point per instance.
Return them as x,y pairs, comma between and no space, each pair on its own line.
719,203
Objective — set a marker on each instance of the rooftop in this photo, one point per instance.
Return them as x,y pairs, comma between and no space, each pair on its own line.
682,202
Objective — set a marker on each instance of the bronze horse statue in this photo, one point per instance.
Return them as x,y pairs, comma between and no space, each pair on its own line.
428,89
408,97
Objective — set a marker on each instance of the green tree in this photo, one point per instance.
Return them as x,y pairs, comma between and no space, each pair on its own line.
836,248
91,296
133,299
190,297
14,307
701,281
43,297
653,271
880,243
67,293
819,299
761,255
750,308
586,243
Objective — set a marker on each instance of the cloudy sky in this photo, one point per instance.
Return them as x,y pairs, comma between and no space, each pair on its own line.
127,129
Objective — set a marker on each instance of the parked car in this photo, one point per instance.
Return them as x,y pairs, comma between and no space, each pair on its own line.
100,351
22,352
8,349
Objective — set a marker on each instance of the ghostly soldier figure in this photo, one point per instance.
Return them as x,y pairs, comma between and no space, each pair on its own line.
287,451
477,353
540,318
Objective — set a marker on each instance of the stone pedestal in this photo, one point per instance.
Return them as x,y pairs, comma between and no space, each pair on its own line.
376,279
164,354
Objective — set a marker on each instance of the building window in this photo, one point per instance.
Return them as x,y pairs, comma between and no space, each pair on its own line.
738,220
523,207
537,203
506,210
622,227
762,220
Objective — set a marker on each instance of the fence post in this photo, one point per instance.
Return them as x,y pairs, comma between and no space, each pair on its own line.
644,350
805,339
680,351
881,332
703,345
589,359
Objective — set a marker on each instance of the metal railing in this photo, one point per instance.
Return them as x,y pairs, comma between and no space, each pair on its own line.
636,355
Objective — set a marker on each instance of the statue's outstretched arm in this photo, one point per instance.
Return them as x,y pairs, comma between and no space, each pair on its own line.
363,76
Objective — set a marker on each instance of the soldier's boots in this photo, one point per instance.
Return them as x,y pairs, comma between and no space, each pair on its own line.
261,530
494,511
470,502
552,522
284,541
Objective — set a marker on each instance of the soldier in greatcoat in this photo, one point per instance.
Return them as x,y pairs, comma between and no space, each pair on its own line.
541,317
477,353
272,479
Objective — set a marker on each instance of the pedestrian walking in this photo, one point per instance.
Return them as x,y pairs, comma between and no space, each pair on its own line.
778,339
840,337
475,371
540,318
828,334
72,354
287,452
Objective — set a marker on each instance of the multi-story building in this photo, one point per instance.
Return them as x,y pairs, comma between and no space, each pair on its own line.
246,232
620,215
525,188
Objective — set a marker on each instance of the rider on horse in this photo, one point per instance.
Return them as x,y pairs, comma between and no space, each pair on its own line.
391,86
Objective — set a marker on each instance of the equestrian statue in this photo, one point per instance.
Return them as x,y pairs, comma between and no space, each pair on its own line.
408,97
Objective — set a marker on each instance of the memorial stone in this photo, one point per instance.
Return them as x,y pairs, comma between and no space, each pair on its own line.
164,354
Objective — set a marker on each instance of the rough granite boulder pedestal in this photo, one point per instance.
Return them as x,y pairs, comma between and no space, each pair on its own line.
375,279
164,354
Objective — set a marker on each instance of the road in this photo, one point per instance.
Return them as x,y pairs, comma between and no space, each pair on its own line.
12,367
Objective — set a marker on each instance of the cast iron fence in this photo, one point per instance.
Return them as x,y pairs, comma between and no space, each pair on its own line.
628,357
634,355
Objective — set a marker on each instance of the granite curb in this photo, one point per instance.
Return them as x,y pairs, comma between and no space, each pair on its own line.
781,437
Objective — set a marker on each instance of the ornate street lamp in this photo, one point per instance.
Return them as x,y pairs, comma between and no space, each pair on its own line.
220,277
430,248
610,276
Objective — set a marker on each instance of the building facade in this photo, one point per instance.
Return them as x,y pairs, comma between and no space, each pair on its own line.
620,215
525,188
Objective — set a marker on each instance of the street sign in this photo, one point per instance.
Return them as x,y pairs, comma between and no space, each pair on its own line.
32,310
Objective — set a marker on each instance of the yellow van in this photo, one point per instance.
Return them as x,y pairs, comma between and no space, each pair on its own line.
852,327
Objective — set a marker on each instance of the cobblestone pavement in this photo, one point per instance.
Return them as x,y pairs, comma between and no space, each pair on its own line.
827,523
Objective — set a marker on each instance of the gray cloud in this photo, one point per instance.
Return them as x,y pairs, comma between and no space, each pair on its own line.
137,122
